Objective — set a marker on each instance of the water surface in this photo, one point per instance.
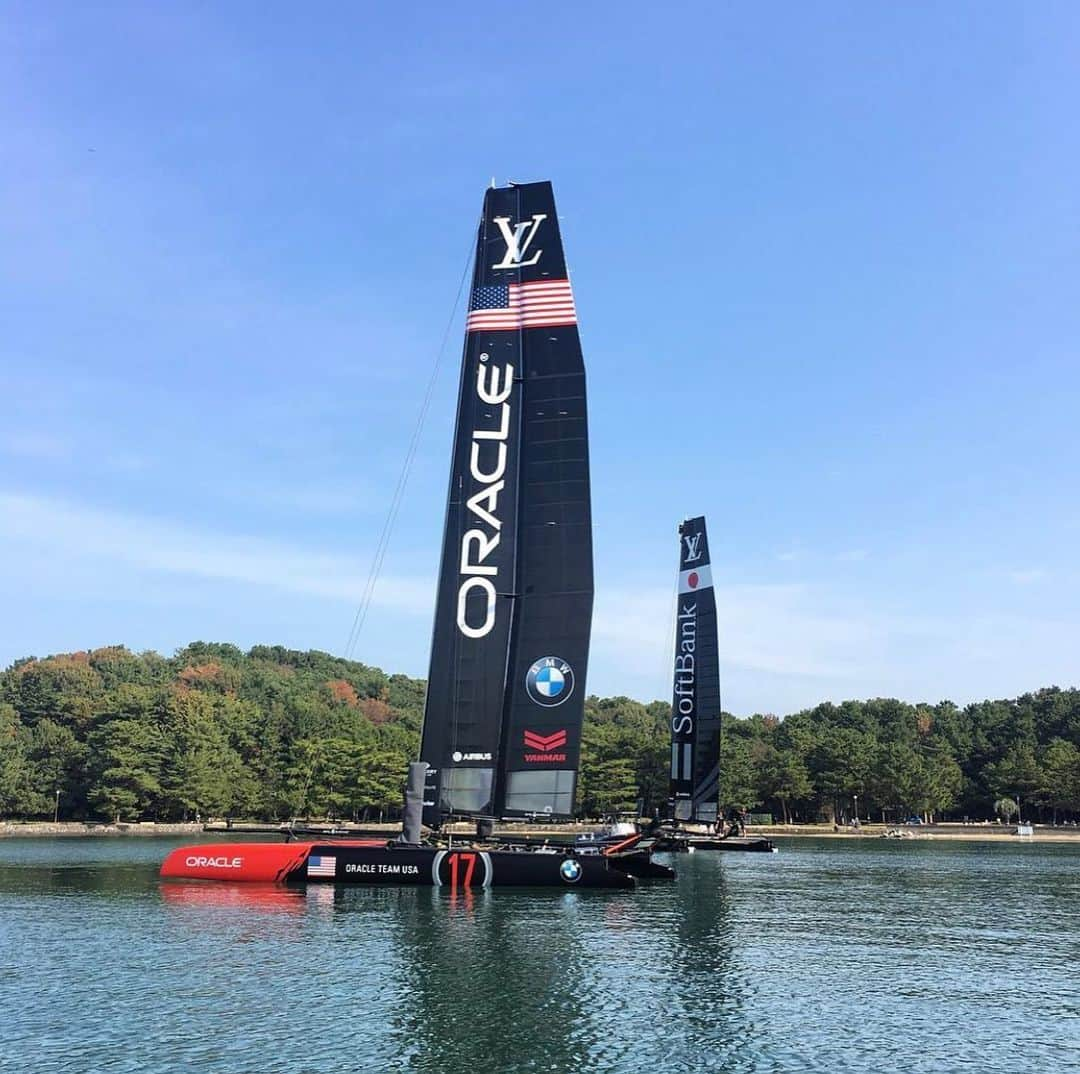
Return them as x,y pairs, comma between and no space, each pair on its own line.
830,956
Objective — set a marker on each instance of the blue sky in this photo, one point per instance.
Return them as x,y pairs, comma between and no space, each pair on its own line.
825,259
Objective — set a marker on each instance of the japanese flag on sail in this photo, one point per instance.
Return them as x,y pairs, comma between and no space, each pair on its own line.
695,579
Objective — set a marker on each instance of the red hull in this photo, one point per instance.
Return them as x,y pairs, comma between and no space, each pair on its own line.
248,862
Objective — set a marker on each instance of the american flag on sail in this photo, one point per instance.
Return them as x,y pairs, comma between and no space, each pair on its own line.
510,306
321,866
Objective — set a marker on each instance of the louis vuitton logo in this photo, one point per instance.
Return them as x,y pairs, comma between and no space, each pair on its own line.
518,241
692,551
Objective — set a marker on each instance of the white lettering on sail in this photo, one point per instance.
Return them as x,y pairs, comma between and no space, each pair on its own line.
518,241
494,395
480,542
489,494
489,615
474,463
682,716
485,545
692,552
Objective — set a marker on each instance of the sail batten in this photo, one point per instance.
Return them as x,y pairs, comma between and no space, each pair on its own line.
502,721
695,709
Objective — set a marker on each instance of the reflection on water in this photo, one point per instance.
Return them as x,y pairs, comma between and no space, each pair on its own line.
831,957
249,898
489,985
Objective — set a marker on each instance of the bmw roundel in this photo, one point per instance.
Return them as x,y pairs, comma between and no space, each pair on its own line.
570,870
550,681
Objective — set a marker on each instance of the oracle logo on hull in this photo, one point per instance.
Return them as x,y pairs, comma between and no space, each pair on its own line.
199,862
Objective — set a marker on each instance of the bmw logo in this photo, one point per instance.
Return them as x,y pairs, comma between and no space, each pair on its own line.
570,870
550,681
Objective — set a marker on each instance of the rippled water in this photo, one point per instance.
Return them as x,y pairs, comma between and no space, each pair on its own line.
828,956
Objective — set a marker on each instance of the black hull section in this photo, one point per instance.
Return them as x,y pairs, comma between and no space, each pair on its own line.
642,866
420,866
734,844
466,868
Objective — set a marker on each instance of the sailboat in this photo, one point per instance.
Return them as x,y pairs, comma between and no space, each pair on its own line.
509,653
694,794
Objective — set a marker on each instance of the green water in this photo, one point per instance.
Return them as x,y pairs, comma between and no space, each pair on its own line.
830,956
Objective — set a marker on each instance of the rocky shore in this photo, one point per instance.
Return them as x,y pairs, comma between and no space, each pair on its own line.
39,828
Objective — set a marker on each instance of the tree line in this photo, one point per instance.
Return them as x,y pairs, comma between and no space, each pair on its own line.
275,733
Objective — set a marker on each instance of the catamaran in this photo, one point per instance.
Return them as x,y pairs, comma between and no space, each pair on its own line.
502,723
694,795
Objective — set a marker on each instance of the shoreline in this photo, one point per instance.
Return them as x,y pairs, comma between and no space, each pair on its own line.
16,829
988,833
950,832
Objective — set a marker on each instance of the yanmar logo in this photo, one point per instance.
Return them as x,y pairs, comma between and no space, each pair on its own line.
544,746
199,862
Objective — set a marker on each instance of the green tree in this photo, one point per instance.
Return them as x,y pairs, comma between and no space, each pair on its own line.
1006,808
892,778
17,796
942,781
201,772
738,774
1018,772
125,760
1061,773
783,776
840,764
380,782
56,758
276,732
611,786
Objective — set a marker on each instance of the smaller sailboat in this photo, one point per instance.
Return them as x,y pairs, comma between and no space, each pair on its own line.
694,796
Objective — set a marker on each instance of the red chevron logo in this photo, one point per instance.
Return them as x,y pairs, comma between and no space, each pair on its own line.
545,743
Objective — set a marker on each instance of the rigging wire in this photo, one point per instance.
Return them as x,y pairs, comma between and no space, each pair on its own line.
403,478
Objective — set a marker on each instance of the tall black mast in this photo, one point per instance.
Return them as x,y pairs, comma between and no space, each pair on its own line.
695,709
504,708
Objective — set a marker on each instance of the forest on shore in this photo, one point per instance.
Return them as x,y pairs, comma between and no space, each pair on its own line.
274,733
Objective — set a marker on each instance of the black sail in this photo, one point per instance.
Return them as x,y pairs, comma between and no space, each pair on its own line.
549,651
695,710
503,716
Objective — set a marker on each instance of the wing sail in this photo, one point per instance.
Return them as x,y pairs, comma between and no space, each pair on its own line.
502,721
695,709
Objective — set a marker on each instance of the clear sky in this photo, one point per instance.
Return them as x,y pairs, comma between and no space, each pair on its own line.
825,256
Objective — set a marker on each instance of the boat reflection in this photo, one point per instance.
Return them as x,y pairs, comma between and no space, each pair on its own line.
261,898
485,971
